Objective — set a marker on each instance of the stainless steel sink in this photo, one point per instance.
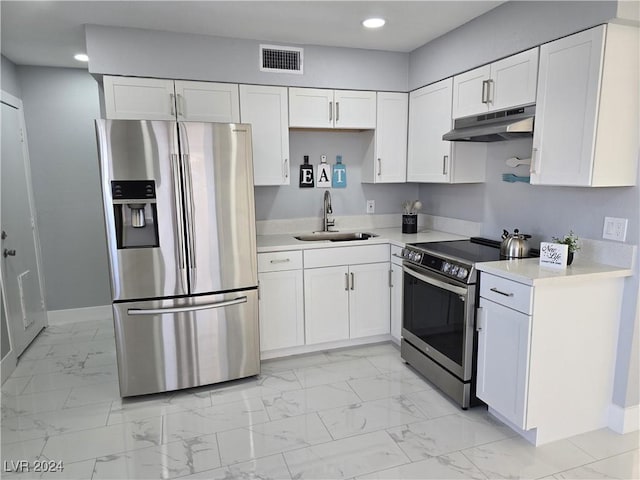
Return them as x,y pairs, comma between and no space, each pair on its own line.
335,236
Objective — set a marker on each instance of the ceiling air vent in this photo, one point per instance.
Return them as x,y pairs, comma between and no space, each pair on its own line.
280,59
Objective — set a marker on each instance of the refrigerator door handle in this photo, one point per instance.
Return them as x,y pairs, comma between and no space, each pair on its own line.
177,185
189,207
191,308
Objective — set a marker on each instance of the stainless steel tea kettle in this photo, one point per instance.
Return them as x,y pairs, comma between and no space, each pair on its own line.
514,245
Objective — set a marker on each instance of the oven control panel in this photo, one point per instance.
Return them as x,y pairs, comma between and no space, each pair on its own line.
434,262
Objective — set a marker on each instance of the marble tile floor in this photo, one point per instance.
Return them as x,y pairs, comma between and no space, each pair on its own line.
357,413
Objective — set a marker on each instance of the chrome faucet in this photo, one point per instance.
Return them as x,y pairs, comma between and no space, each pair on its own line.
326,223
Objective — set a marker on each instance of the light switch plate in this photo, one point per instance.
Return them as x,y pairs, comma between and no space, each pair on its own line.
615,229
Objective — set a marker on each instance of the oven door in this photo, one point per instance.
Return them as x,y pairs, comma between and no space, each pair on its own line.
438,319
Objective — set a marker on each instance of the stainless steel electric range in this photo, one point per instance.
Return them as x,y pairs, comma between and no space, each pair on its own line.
439,310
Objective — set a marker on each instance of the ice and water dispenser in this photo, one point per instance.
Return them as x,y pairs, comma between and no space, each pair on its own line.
134,208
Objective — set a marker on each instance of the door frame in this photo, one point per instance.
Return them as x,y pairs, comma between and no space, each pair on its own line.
11,358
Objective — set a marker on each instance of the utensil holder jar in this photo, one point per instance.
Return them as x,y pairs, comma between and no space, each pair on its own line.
409,223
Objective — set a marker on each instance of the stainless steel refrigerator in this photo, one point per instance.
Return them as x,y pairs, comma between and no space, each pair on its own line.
180,224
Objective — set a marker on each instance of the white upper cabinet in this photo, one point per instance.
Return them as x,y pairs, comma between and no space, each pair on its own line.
266,109
431,159
387,161
586,131
318,108
207,102
510,82
132,98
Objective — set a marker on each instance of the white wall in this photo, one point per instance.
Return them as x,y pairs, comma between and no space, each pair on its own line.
60,105
292,201
9,78
148,53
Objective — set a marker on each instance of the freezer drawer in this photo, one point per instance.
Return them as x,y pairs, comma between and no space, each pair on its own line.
172,344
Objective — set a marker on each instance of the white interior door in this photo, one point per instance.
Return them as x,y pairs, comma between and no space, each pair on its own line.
18,247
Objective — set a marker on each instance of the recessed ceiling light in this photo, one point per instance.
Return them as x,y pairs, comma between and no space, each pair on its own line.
373,22
81,57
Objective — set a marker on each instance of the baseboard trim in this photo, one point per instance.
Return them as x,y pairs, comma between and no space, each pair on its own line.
73,315
319,347
624,420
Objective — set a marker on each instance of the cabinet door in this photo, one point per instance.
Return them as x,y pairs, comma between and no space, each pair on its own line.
310,108
429,119
369,299
470,92
514,80
207,102
391,138
566,107
130,98
354,109
326,304
266,109
281,309
396,300
504,338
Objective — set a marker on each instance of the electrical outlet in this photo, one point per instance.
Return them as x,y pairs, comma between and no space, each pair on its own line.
371,206
615,229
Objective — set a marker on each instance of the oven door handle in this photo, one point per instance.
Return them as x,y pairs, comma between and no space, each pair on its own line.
434,281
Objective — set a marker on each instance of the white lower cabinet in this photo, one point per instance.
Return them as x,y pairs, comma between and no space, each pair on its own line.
326,301
281,309
346,293
396,294
503,360
547,350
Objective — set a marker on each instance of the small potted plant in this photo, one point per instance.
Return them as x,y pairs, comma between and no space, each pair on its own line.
571,240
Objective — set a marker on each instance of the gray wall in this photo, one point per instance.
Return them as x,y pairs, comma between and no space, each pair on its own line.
541,211
293,202
5,345
60,105
148,53
503,31
9,78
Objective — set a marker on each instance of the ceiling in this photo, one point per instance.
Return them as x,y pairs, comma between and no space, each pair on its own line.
49,33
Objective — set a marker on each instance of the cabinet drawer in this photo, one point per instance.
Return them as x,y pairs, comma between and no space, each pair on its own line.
278,261
506,292
327,257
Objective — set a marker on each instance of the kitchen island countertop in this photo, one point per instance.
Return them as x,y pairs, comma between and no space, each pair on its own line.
529,272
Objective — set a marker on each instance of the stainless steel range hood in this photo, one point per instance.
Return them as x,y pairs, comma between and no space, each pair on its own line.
494,127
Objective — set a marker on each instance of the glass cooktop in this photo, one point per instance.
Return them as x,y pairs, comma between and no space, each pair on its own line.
472,251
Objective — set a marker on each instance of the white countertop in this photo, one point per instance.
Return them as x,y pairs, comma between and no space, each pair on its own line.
529,271
394,236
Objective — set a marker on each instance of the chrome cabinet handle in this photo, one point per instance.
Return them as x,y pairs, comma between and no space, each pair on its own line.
346,282
180,104
337,111
445,160
172,100
8,253
281,260
495,290
534,157
191,308
390,278
353,283
485,91
330,111
490,91
286,168
379,167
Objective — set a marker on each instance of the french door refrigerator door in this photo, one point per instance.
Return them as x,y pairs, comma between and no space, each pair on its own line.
165,345
219,206
142,155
